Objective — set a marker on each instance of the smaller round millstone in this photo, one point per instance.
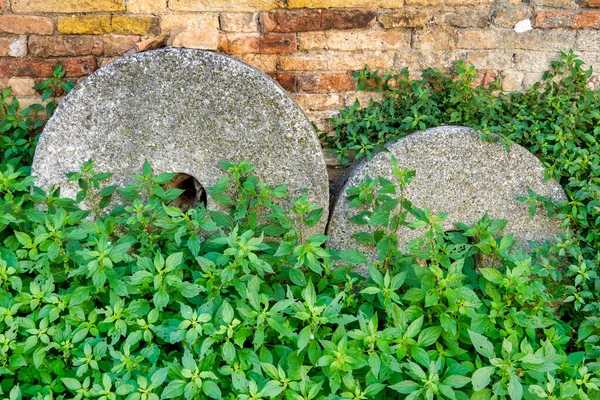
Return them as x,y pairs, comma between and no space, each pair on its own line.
184,111
458,173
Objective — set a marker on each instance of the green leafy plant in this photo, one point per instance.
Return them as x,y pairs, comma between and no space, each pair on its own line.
146,301
557,119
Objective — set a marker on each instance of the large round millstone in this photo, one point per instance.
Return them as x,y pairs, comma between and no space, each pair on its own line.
458,173
182,110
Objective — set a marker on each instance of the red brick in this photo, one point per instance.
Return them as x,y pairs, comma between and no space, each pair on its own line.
277,43
593,3
238,43
13,46
155,42
326,82
563,19
589,19
287,80
22,25
60,46
316,20
41,68
486,78
116,45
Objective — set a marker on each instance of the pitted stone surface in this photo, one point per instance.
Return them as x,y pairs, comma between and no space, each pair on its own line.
184,111
458,173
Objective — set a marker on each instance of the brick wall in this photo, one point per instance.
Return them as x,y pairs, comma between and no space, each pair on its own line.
309,46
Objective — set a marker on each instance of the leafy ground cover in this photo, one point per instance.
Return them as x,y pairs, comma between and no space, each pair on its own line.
145,301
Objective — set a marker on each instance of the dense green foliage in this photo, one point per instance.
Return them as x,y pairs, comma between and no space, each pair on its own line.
144,301
557,119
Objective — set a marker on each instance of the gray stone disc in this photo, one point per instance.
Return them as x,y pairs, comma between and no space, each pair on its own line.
183,110
458,173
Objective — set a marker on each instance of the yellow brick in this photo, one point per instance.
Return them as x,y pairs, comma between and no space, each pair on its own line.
345,3
67,6
203,21
96,25
225,5
131,25
146,6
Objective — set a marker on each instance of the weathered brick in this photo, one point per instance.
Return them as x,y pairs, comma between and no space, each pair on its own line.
40,68
66,6
447,3
588,40
25,102
87,25
60,46
356,61
564,4
225,5
434,39
316,20
532,61
13,46
325,82
146,6
287,80
202,21
239,22
486,78
553,39
562,19
154,42
133,25
19,86
239,43
321,120
405,19
530,78
263,62
20,25
362,97
115,45
304,62
512,81
467,17
312,41
277,43
408,58
593,3
508,17
318,101
487,59
195,38
355,40
3,5
104,61
335,61
345,3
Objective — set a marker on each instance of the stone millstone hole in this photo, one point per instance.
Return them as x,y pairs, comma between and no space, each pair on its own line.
193,192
